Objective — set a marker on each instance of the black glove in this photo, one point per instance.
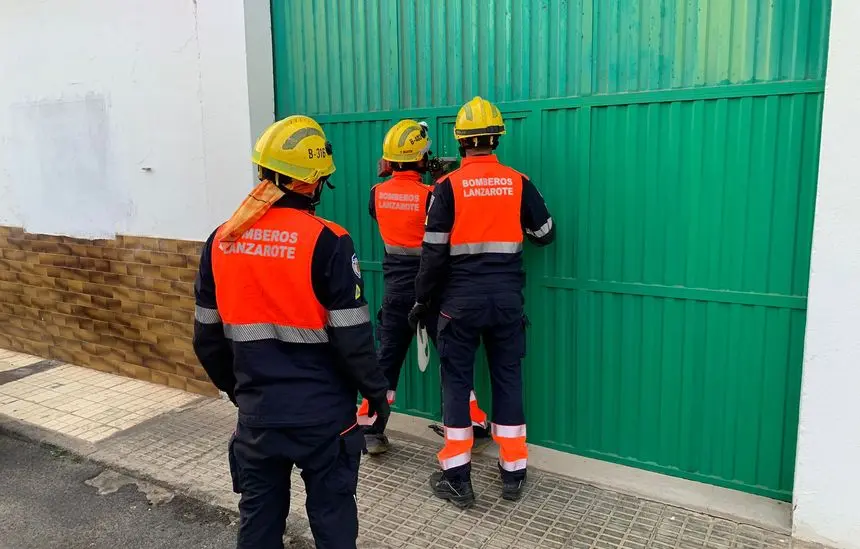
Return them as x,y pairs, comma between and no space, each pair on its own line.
416,315
380,408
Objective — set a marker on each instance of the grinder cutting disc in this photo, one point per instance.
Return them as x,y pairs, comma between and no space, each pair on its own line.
423,342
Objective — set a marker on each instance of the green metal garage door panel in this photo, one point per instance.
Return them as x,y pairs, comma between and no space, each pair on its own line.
348,56
676,143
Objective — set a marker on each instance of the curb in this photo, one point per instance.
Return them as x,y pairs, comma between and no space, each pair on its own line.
85,450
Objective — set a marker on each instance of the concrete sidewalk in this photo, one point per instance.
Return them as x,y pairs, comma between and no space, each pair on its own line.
180,439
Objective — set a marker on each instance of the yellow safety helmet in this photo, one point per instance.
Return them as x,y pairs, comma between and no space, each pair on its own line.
478,117
406,141
297,148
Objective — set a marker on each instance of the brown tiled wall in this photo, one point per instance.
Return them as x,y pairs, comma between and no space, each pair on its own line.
124,306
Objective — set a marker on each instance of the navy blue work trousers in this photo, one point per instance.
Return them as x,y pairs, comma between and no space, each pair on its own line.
261,460
395,336
498,321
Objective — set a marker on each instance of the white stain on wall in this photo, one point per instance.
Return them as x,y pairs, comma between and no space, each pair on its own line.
60,150
130,117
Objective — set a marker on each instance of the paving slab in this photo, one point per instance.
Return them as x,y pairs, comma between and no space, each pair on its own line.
80,402
187,448
181,440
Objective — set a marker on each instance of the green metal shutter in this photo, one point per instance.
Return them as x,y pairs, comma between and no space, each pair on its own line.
676,143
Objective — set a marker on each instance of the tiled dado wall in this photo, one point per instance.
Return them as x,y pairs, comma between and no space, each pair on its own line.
124,306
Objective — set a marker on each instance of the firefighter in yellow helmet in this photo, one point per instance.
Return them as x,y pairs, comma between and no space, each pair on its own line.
282,326
471,263
399,206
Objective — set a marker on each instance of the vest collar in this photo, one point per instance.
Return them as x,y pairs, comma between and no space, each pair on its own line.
408,175
483,159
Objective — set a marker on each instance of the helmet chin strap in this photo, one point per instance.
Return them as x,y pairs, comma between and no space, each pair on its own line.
317,196
278,183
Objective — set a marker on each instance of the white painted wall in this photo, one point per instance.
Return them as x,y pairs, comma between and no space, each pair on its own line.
133,117
827,476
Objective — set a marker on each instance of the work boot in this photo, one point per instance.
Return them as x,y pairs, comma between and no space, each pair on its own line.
377,443
457,492
512,490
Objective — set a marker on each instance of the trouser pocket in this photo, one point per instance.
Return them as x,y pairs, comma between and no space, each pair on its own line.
234,468
343,477
378,330
442,324
526,324
331,480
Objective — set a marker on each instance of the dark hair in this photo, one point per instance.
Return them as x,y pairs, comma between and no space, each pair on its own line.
480,142
410,166
405,166
265,173
279,179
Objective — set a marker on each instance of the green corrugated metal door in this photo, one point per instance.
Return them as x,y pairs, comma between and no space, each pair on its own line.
676,142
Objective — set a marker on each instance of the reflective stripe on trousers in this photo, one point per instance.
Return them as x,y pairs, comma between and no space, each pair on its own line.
458,447
478,416
458,460
513,466
513,452
487,248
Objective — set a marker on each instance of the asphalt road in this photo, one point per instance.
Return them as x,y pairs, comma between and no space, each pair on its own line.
46,503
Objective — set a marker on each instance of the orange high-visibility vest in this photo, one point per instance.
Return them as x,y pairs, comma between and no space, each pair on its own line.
487,204
263,280
400,206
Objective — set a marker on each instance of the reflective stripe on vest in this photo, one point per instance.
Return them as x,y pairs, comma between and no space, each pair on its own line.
402,250
263,285
400,204
487,248
487,206
341,318
287,334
